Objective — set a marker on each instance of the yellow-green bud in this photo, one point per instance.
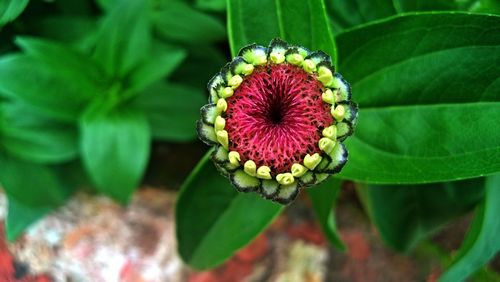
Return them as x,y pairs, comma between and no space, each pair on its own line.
235,81
221,105
298,170
264,172
309,66
277,58
295,59
328,96
223,138
234,158
311,161
220,123
226,92
250,167
330,132
325,75
338,112
285,178
326,144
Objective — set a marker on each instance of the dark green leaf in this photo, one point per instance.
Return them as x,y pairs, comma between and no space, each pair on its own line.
124,38
211,5
213,220
162,62
172,110
406,214
20,216
83,30
11,9
435,130
433,5
177,21
33,137
323,198
31,184
481,243
298,22
115,149
349,13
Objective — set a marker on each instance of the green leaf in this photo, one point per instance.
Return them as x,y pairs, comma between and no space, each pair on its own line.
211,5
213,220
25,78
406,214
124,38
83,30
433,5
323,198
20,216
162,62
11,9
425,113
33,137
481,243
172,110
345,14
177,21
298,22
31,184
115,148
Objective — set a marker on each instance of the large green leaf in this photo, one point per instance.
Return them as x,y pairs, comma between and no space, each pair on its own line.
428,102
349,13
58,83
20,216
11,9
172,110
30,136
299,22
406,214
177,21
481,243
323,198
115,149
213,220
124,38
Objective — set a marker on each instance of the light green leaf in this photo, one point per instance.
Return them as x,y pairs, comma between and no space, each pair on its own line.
124,38
481,243
213,220
177,21
406,214
172,110
115,148
298,22
323,198
30,136
211,5
161,63
11,9
427,103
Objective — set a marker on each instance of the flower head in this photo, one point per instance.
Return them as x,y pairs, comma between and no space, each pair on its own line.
277,118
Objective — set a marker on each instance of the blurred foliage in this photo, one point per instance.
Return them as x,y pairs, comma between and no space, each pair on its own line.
86,86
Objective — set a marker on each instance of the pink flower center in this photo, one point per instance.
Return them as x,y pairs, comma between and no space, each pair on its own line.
276,117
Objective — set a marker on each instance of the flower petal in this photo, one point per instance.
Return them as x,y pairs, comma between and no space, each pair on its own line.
206,133
287,193
244,182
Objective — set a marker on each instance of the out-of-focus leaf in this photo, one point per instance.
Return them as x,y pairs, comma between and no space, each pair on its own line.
349,13
115,148
323,198
427,103
211,5
177,21
30,136
161,63
20,216
172,110
124,38
481,243
406,214
434,5
78,31
45,88
213,220
11,9
299,22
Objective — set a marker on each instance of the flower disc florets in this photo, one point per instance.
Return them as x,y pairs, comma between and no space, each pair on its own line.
277,117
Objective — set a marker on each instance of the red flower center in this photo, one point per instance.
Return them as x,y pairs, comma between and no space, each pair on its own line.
276,117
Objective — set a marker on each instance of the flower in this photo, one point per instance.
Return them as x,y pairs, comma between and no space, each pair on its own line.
277,117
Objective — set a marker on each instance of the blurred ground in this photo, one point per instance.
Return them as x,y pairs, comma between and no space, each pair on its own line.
94,239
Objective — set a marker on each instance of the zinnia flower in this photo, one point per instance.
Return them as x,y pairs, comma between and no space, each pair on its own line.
277,117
